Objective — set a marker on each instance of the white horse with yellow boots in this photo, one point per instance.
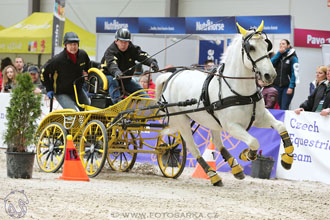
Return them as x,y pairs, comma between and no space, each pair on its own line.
236,102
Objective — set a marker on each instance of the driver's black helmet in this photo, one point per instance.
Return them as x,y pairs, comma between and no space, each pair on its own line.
123,34
70,37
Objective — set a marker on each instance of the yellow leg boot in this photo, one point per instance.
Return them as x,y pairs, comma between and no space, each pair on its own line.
287,157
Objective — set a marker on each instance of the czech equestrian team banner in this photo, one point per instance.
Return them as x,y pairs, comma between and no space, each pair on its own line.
310,135
310,38
192,25
210,50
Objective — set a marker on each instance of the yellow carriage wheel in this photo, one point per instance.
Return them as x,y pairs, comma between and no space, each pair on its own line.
51,147
173,159
122,161
93,147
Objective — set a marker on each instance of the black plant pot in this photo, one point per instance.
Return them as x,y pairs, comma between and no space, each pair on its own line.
20,164
262,168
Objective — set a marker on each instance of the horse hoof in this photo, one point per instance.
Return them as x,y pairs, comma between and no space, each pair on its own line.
219,183
286,161
252,154
286,165
239,175
237,171
248,155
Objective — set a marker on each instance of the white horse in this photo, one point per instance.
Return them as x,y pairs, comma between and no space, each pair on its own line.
236,102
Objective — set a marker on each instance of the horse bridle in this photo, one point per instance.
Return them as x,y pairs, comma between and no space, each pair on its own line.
246,49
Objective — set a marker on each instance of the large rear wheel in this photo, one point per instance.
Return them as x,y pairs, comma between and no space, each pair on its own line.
172,160
51,147
93,147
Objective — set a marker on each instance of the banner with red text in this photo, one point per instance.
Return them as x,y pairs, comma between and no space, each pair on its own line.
310,38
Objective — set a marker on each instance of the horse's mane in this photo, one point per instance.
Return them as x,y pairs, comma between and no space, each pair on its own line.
231,46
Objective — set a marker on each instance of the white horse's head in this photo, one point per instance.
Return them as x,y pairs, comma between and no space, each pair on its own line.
255,49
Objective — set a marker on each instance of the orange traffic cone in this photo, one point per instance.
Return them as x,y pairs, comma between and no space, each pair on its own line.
73,169
208,156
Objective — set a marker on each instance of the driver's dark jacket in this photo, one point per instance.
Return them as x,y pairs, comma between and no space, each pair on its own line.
59,73
116,60
312,102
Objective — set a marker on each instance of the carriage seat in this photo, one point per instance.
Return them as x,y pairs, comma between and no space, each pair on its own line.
98,88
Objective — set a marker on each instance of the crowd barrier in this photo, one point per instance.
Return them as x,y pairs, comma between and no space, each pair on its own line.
308,132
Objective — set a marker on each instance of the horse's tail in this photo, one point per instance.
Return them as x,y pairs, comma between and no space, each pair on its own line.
160,82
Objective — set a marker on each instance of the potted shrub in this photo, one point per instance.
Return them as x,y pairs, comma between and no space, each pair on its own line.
22,114
262,167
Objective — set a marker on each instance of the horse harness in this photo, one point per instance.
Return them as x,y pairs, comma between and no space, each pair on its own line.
235,100
228,101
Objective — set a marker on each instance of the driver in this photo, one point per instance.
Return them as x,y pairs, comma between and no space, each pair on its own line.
59,73
119,59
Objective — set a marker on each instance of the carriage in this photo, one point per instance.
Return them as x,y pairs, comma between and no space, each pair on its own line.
114,133
229,99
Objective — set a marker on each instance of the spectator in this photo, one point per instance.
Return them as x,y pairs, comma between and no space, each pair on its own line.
319,101
4,62
119,59
19,64
34,73
61,71
286,64
9,79
321,75
209,66
146,83
270,95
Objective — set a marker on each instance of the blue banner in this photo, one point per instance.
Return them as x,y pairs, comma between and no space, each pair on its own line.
162,25
111,25
210,25
210,50
280,24
268,139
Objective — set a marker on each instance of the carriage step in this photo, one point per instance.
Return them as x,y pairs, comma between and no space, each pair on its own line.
153,125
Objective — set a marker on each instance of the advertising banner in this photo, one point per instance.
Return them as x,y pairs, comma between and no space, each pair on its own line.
279,24
310,136
58,26
162,25
310,38
112,24
210,50
210,25
193,25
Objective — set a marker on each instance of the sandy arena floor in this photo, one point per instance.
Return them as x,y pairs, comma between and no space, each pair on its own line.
144,194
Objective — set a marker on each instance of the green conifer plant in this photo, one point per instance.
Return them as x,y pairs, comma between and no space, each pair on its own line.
22,115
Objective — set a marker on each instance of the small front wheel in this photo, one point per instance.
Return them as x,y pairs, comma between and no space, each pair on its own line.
93,147
122,161
173,159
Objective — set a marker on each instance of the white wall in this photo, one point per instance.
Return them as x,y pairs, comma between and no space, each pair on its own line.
84,12
13,11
